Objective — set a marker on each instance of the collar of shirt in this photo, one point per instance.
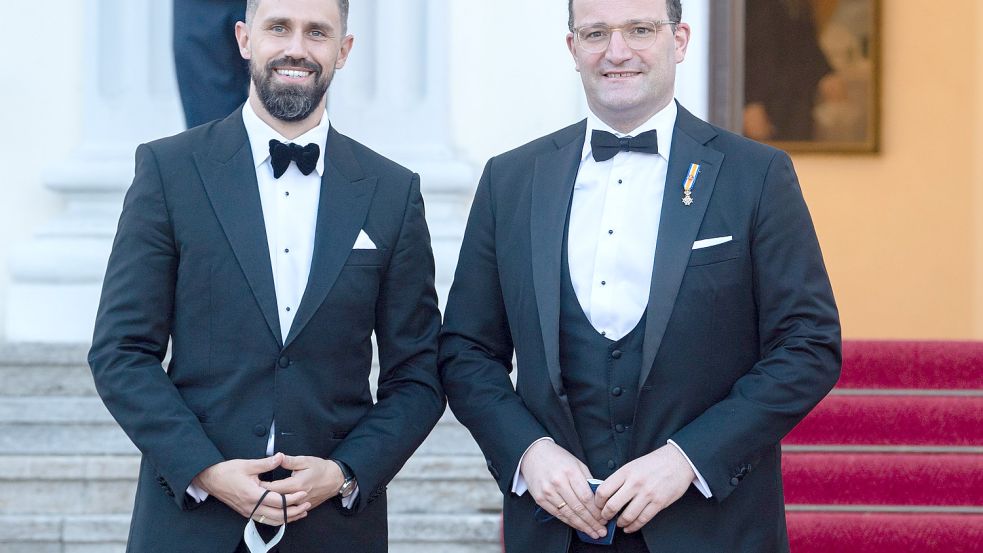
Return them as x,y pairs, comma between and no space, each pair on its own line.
663,122
260,135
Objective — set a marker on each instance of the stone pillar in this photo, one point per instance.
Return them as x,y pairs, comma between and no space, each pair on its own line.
394,96
129,96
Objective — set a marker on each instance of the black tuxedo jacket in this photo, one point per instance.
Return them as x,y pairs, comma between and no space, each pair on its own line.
190,264
741,339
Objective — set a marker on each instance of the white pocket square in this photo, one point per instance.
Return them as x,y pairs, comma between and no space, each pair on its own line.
363,242
707,242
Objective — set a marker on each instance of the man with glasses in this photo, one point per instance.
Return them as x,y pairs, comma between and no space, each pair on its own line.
660,283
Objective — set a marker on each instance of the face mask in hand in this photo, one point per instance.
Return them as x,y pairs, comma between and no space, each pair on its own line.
251,535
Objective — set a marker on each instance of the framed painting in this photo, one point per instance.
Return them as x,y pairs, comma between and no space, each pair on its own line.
803,75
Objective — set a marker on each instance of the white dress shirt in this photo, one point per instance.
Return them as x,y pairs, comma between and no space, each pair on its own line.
290,216
613,230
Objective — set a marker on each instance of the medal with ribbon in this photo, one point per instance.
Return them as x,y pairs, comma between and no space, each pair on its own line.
691,175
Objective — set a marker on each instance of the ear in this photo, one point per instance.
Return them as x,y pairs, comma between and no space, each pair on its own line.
242,38
682,41
346,48
573,51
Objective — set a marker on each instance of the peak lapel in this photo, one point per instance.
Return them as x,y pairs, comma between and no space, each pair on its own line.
552,188
229,177
678,227
345,198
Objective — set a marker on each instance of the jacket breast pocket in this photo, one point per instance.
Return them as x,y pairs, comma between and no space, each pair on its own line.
716,254
367,258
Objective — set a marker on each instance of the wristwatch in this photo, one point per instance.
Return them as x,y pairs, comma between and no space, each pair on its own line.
350,483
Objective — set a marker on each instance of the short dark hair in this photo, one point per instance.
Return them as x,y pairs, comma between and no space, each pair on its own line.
251,6
673,7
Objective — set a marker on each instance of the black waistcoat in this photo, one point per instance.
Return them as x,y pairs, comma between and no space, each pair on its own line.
600,377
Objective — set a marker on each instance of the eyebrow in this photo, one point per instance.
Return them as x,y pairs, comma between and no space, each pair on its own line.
625,24
287,22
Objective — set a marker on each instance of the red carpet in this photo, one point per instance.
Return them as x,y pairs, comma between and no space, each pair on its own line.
912,365
884,532
892,460
894,419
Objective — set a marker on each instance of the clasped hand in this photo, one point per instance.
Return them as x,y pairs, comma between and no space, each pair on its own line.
558,483
644,487
236,483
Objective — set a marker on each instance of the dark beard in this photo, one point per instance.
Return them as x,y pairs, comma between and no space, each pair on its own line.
287,102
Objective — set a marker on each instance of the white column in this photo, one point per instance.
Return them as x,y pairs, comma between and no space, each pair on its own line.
394,96
129,96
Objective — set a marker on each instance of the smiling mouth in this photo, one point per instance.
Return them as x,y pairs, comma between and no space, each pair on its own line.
621,75
293,73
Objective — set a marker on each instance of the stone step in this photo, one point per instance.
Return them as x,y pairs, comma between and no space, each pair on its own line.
83,485
106,533
38,425
44,369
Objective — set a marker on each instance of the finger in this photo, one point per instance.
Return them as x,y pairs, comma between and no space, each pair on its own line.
634,509
591,513
616,502
606,490
274,517
286,486
298,517
647,514
576,513
299,462
274,499
266,464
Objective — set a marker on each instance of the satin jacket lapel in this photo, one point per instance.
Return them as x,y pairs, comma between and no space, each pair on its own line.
678,227
552,188
229,176
345,198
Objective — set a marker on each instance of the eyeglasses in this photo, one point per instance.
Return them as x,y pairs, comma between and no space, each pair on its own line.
638,35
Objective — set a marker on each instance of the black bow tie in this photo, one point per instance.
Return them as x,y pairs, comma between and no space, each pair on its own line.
282,154
604,145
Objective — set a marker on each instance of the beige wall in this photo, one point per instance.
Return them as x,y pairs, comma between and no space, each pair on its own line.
901,230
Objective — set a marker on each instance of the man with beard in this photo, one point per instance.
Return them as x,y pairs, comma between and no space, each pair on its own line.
267,248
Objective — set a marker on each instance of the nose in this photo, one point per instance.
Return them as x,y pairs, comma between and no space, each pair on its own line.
296,47
618,50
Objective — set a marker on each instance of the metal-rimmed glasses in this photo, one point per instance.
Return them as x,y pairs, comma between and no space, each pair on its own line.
638,35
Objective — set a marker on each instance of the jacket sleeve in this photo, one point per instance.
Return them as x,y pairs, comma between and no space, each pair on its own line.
410,399
799,332
476,349
132,330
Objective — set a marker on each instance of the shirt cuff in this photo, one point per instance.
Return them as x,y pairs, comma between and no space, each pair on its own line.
519,485
196,493
699,483
348,502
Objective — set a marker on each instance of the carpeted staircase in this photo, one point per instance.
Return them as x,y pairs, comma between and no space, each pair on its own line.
892,460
